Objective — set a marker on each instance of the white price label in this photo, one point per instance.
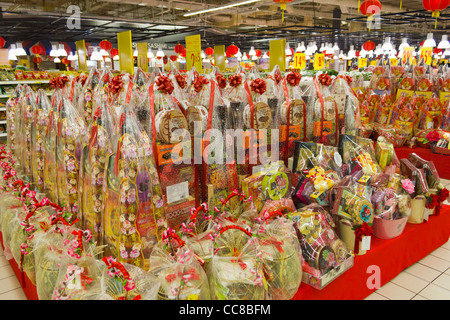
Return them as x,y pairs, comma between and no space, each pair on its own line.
177,192
426,214
365,245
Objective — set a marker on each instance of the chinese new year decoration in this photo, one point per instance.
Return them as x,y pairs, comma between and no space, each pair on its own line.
369,8
282,7
435,6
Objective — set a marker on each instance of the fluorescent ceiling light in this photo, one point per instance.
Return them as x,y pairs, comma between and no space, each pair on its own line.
220,8
57,60
239,53
160,53
430,42
61,51
444,44
71,57
387,46
265,56
96,55
252,51
404,44
19,51
54,51
150,54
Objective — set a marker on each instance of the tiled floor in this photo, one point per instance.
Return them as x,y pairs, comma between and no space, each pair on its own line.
428,279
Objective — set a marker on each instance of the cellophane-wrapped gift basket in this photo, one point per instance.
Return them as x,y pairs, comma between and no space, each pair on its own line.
176,185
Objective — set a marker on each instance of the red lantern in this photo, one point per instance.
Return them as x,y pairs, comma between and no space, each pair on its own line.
37,60
369,8
65,61
36,50
435,6
282,6
165,59
258,53
2,42
178,48
114,52
369,45
436,50
183,53
209,51
105,45
173,58
232,50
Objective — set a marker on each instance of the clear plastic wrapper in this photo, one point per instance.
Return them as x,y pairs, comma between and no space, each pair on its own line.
85,101
236,271
430,115
11,109
134,208
176,266
384,109
71,131
347,103
385,154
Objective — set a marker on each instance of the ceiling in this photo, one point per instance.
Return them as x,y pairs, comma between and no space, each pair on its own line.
253,24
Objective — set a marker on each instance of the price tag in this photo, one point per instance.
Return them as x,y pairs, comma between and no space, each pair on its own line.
177,192
425,54
299,60
362,63
407,54
426,215
319,61
193,52
365,243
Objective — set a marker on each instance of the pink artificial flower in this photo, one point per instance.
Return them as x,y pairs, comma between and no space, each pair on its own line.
408,185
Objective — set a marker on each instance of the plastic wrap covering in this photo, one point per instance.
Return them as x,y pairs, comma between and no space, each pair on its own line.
8,200
430,115
236,270
39,130
281,256
86,98
134,206
98,145
71,130
347,105
11,109
181,275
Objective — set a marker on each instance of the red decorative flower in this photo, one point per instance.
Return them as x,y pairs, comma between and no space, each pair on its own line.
221,81
116,84
293,78
198,83
235,80
181,80
325,79
164,84
433,136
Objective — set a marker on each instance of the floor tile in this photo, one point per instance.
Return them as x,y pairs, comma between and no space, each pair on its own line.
441,253
434,292
423,272
6,271
410,282
8,284
446,245
376,296
436,263
443,281
419,297
3,261
394,292
16,294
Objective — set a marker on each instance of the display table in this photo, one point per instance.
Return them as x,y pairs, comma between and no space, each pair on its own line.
441,162
391,256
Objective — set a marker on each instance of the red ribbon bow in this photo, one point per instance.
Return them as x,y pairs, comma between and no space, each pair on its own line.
235,80
181,80
199,82
164,84
116,84
294,78
278,244
221,81
363,230
325,79
258,85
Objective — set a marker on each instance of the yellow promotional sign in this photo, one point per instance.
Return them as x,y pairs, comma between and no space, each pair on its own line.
394,61
319,61
125,52
425,54
362,63
373,63
299,60
407,54
81,52
277,54
142,58
194,52
219,57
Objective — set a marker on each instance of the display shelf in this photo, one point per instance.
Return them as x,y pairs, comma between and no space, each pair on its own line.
3,134
2,121
2,109
24,82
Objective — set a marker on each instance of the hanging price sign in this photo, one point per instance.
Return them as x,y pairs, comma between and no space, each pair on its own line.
425,54
193,53
407,54
319,61
362,63
299,60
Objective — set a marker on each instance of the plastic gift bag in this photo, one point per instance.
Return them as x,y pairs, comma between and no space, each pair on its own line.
27,105
403,116
39,130
235,271
180,273
134,208
384,109
281,256
71,131
85,101
347,104
98,146
11,108
430,115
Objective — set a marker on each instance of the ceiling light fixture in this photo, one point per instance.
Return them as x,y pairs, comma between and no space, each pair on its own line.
160,53
61,51
220,8
444,44
430,42
19,50
54,51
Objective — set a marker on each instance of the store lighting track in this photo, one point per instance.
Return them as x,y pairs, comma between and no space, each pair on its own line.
236,4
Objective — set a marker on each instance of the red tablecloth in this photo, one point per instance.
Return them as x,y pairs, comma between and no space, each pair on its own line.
441,162
391,256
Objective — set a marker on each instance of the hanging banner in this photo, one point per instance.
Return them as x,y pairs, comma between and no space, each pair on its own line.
142,58
299,60
319,61
407,55
219,57
425,54
194,52
125,52
277,54
81,52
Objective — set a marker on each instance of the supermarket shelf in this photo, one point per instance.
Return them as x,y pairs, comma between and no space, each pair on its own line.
24,82
2,121
5,96
4,134
2,109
